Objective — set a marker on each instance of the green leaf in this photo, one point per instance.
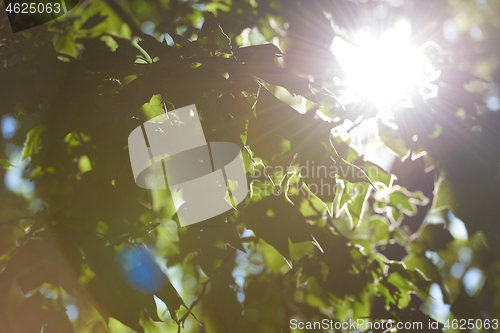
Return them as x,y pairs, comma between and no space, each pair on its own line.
445,198
375,174
350,172
33,141
154,108
404,287
380,226
4,163
353,200
318,172
400,200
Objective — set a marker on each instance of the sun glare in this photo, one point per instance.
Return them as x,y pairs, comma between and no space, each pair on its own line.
382,69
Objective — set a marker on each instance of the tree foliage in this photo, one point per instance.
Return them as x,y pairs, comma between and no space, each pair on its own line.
376,246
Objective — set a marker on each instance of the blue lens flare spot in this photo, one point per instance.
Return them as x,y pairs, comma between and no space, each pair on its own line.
140,269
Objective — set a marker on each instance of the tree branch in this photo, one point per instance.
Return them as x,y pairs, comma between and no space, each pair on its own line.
13,221
202,294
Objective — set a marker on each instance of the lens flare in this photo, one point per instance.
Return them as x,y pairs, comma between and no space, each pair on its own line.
140,269
383,69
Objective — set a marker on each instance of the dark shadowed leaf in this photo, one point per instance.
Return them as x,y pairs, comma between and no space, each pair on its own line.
216,38
178,39
171,298
276,118
275,220
93,21
265,53
465,307
435,237
224,310
60,323
33,142
431,272
152,46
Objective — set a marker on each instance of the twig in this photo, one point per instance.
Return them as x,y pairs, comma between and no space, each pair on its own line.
198,300
13,221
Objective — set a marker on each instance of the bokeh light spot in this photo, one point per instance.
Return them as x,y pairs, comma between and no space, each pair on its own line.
140,269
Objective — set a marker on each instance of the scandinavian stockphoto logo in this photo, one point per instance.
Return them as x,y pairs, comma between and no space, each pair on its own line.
26,14
205,179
